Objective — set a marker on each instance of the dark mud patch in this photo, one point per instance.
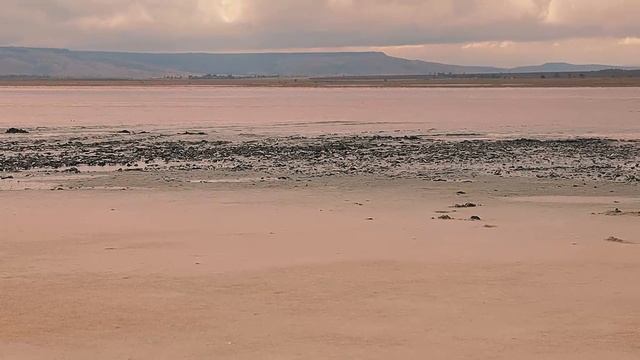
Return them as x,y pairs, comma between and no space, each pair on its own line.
387,156
616,240
618,212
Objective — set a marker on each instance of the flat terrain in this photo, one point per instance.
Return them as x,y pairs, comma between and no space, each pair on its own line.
409,82
152,240
147,265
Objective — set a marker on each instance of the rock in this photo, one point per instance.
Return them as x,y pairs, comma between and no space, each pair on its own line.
465,205
16,131
618,212
617,240
193,133
614,212
72,170
475,218
461,193
445,217
6,177
125,132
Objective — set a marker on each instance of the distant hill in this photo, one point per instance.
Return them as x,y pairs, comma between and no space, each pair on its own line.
564,67
82,64
64,63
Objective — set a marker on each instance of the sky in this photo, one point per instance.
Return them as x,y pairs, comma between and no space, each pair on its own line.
468,32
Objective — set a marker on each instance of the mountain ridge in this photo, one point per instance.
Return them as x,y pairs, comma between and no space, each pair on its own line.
65,63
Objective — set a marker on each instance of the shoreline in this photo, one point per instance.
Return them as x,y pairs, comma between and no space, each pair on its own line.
381,82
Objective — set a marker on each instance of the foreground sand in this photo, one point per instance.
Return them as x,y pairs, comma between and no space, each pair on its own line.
335,268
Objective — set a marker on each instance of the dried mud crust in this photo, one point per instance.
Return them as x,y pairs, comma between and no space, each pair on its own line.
389,156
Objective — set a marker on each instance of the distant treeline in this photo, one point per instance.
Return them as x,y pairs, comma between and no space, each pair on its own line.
223,76
24,77
600,74
610,73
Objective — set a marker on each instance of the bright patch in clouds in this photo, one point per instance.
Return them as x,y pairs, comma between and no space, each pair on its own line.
630,41
230,10
488,45
214,11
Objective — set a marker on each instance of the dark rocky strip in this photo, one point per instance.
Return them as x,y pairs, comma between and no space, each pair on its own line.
392,156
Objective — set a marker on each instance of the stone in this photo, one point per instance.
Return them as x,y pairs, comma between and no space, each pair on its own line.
16,131
465,205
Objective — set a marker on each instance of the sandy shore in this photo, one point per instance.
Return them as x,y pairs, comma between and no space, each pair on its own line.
155,265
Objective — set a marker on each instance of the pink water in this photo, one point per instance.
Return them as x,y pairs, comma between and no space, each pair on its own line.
612,112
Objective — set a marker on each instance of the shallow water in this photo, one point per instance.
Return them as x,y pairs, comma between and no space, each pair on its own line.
531,112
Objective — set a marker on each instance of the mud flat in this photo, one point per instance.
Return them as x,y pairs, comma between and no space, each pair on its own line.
326,247
407,156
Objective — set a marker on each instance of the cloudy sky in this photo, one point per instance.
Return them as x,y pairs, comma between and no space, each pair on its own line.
481,32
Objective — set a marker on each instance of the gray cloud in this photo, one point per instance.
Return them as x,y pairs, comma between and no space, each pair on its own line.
223,25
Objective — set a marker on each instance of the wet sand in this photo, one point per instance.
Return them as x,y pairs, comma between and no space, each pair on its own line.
493,113
133,265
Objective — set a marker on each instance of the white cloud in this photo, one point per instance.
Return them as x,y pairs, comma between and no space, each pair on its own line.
630,41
